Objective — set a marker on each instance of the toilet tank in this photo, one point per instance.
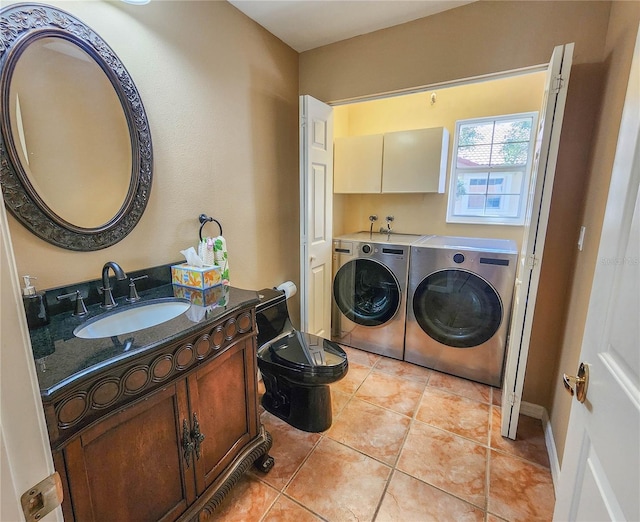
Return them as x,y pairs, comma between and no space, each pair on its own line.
272,315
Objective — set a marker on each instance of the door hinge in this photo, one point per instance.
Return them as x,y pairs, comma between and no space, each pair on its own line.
532,261
511,399
558,83
42,498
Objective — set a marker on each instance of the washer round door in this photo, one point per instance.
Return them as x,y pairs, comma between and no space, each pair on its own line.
366,292
457,308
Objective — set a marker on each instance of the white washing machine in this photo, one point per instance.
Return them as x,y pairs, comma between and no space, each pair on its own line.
459,305
370,274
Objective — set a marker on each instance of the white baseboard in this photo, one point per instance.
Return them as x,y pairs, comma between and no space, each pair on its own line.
539,412
533,410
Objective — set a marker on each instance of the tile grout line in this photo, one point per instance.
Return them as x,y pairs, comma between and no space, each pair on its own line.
487,470
394,467
306,508
268,510
455,435
282,493
513,454
486,445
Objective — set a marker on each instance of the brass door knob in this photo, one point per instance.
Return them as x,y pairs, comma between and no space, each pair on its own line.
577,385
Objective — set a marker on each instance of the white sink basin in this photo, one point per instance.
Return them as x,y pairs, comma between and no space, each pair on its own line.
131,318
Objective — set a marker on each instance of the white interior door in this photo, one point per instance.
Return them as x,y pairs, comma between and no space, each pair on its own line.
600,476
25,456
316,215
537,218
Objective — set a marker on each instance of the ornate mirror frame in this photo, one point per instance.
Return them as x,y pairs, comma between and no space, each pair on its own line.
21,24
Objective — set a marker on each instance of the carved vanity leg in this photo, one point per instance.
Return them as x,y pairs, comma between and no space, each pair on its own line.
264,463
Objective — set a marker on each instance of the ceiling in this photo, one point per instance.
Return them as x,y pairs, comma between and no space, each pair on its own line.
308,24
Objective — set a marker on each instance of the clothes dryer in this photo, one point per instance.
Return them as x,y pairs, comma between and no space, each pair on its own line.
459,305
370,274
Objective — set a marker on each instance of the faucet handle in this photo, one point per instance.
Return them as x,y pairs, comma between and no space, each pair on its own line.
133,293
80,308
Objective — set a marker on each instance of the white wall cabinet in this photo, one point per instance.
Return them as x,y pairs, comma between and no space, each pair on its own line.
395,162
415,160
357,164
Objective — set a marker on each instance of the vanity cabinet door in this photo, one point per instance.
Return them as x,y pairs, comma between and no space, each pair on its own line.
131,466
223,400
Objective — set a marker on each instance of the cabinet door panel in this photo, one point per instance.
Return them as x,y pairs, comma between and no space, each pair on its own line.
130,466
357,164
219,396
415,160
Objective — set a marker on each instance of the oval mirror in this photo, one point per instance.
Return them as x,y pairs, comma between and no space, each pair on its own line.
75,145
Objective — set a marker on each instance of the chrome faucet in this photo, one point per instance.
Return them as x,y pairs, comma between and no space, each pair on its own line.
388,230
372,218
107,296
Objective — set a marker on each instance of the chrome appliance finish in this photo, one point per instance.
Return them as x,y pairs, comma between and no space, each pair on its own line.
370,274
459,305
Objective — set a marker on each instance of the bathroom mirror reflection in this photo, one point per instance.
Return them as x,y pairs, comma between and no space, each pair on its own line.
50,109
75,144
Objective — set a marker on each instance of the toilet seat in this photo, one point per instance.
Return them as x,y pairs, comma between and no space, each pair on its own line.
309,353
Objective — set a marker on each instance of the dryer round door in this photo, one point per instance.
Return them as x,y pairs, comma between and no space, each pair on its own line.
366,292
457,308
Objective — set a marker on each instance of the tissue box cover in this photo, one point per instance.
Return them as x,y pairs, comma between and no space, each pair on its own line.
196,277
217,295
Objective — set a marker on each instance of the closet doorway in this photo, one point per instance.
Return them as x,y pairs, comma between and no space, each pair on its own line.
352,210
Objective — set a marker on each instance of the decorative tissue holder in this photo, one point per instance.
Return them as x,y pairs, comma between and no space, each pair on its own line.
200,278
215,296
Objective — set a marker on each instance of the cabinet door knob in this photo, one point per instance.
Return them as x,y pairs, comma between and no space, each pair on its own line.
187,444
197,436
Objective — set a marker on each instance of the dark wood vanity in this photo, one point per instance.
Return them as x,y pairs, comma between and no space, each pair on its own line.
162,433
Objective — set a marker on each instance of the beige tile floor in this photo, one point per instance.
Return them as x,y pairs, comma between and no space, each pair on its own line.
407,444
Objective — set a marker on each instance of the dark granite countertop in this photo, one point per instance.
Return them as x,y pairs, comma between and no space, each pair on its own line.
62,359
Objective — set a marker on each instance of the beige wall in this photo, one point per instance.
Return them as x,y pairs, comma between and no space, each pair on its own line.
426,213
618,51
487,37
221,95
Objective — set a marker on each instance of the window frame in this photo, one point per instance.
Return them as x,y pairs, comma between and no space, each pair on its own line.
517,220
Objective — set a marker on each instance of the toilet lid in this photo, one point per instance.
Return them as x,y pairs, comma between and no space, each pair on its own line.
306,350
